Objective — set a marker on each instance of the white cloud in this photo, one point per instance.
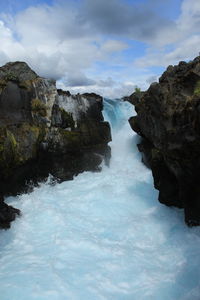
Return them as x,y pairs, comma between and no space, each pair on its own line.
114,46
184,50
111,88
183,39
119,90
10,48
52,42
65,43
189,20
41,36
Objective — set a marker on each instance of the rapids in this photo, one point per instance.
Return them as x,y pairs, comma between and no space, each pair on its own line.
102,236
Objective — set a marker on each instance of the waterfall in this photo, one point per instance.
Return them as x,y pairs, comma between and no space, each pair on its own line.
102,236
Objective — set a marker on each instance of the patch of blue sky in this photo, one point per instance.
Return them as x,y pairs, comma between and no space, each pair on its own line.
169,48
101,67
13,7
135,49
157,70
170,9
123,61
125,73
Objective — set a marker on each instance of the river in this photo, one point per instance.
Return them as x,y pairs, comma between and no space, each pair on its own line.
102,236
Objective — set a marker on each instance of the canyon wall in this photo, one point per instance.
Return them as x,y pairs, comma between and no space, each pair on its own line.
168,121
45,131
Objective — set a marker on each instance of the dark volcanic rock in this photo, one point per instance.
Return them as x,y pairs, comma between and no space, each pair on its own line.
168,120
45,131
135,97
7,214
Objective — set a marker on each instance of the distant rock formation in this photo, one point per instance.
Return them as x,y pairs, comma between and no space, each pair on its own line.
168,120
45,131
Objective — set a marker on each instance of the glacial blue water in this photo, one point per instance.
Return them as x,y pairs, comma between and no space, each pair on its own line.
102,236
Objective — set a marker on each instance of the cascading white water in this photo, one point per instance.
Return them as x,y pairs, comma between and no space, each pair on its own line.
102,236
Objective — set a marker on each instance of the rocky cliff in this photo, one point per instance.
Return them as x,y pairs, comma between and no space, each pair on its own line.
168,120
45,131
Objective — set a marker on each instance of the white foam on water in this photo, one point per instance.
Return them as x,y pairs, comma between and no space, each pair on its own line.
102,236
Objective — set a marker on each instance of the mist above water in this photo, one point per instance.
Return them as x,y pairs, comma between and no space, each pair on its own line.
102,236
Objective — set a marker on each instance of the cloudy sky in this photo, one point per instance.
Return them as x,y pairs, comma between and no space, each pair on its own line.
105,46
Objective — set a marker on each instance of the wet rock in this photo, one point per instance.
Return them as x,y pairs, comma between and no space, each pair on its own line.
7,214
168,121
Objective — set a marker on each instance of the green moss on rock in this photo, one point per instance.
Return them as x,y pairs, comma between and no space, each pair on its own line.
197,89
38,107
3,82
70,139
11,76
69,135
18,145
8,151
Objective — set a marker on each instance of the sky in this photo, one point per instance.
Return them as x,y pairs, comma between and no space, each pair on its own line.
103,46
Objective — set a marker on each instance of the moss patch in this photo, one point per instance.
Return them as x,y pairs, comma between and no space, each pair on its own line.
11,76
72,135
3,82
197,89
38,107
71,139
18,145
8,151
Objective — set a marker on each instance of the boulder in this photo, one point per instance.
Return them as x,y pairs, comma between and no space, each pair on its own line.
7,214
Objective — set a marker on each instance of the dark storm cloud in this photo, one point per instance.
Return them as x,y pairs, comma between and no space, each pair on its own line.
117,18
92,19
70,39
84,18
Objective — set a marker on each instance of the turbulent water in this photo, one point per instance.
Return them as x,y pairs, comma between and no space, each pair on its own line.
102,236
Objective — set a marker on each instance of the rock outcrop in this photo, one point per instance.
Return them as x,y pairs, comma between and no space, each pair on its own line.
168,120
134,98
45,131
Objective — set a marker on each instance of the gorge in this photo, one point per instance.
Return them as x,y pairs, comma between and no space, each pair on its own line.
102,235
